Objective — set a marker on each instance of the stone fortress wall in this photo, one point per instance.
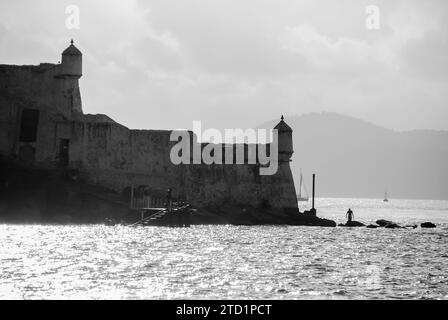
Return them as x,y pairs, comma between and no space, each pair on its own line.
42,122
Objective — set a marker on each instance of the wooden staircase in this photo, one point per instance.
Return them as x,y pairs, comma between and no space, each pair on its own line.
177,217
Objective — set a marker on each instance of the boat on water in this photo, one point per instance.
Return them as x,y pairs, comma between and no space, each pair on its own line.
385,197
303,194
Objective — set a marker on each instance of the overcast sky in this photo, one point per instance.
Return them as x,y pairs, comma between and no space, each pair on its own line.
238,63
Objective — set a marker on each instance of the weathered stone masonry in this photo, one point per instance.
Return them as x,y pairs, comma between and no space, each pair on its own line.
42,122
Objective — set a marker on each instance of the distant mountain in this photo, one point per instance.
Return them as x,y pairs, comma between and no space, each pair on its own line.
354,158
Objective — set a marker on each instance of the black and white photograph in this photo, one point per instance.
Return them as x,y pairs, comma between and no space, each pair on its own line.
254,151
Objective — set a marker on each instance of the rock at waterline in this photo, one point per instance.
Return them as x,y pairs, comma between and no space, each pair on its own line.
352,224
393,226
372,226
427,225
383,223
388,224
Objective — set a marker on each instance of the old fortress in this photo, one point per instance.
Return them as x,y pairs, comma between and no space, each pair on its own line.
42,124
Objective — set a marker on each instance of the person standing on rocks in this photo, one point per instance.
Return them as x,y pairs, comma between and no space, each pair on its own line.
349,215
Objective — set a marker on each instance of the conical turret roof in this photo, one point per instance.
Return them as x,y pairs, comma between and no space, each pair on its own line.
282,126
72,50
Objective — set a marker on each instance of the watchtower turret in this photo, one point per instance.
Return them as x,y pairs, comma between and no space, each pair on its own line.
71,65
285,146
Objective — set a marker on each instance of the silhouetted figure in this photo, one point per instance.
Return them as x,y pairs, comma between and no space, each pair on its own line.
350,215
168,199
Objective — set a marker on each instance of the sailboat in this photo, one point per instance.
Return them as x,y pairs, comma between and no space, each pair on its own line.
303,195
385,197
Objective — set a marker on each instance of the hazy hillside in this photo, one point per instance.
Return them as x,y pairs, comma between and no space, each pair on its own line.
353,158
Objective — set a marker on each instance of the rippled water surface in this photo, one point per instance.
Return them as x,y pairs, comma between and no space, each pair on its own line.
266,262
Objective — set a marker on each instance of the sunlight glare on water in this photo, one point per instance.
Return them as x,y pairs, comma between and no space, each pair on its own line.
234,262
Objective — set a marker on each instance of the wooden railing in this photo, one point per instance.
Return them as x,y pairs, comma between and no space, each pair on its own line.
147,202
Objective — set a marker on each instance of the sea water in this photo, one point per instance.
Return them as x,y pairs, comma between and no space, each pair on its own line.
235,262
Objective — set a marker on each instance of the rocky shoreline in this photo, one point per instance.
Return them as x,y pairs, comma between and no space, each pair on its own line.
381,223
31,195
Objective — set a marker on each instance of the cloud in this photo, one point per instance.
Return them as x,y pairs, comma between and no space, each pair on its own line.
165,63
342,54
